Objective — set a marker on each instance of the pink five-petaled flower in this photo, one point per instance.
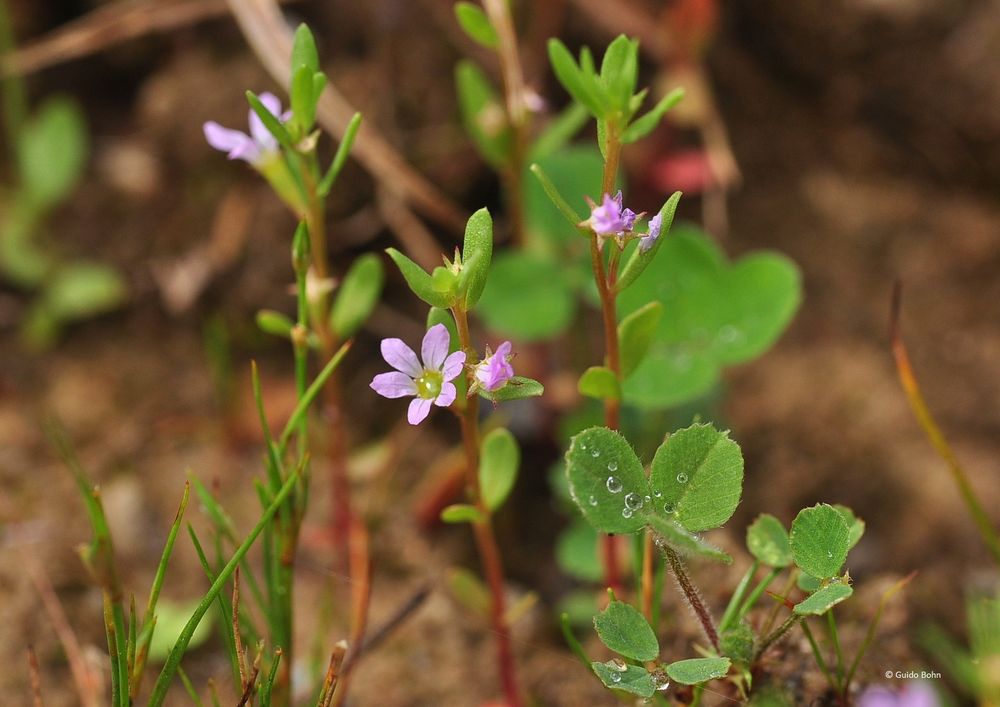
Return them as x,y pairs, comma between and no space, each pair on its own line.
255,147
915,694
429,382
610,219
653,232
493,372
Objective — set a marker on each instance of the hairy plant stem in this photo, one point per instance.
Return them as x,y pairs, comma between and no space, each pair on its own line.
605,288
486,544
770,639
518,116
691,593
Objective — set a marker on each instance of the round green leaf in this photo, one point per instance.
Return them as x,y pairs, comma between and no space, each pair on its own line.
53,150
626,677
824,599
698,670
819,540
527,297
625,631
599,382
577,553
606,480
719,314
477,251
498,462
855,526
767,540
81,290
697,477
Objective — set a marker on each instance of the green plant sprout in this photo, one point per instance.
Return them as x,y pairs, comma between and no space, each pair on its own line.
49,156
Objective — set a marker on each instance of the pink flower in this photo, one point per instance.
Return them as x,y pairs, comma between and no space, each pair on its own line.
610,219
255,147
493,372
429,382
649,239
916,694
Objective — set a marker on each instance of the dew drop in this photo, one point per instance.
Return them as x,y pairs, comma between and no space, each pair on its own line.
730,334
614,484
583,446
829,554
616,677
612,466
593,501
627,512
668,507
647,499
633,501
595,453
657,494
682,478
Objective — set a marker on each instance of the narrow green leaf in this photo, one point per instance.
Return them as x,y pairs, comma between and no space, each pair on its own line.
419,281
647,123
275,323
639,260
303,100
476,24
606,480
483,114
619,70
306,401
557,199
819,540
78,290
52,151
340,158
824,599
517,388
767,540
477,252
699,473
635,335
572,78
462,513
695,671
304,52
499,459
625,630
629,678
599,382
270,121
357,296
162,685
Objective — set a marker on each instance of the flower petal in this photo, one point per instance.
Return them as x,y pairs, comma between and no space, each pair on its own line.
401,357
418,410
238,144
453,365
447,395
393,385
434,348
504,349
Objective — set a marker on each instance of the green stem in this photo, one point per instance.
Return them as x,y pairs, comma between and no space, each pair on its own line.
762,585
732,609
818,655
831,623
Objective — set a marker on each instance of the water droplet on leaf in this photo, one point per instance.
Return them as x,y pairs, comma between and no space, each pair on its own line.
593,501
595,453
633,501
612,466
614,484
668,507
627,512
682,478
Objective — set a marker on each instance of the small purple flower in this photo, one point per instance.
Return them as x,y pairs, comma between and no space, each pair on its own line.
252,148
428,382
915,694
610,218
493,372
649,239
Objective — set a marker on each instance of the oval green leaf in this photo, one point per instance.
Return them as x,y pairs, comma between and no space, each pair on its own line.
699,472
625,630
819,540
498,462
630,678
698,670
767,540
824,599
600,383
605,479
357,295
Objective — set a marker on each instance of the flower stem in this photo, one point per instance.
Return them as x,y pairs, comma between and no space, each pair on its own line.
605,289
691,593
486,544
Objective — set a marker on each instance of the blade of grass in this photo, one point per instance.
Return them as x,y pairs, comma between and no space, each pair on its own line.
310,395
224,609
188,687
873,626
732,609
174,659
340,158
